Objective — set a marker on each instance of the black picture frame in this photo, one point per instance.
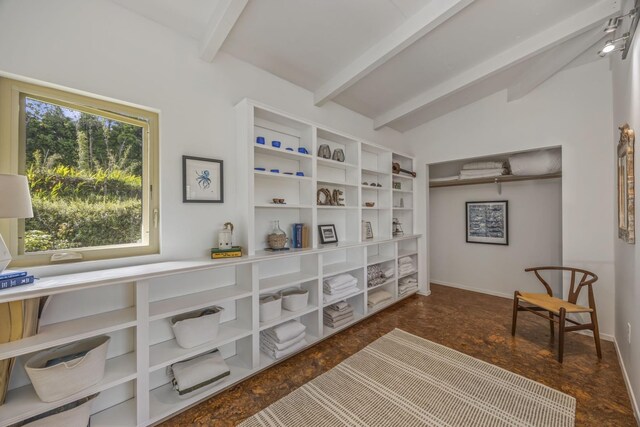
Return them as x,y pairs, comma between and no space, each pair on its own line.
202,180
327,233
490,222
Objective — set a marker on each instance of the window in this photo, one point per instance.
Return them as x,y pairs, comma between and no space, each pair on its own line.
92,167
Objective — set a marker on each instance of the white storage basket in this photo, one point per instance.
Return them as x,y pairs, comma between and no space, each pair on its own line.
294,299
196,327
69,377
270,307
77,415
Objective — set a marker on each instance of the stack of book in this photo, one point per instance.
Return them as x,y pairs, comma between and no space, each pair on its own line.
300,236
11,278
232,252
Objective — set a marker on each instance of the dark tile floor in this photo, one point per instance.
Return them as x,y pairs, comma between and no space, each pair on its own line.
476,324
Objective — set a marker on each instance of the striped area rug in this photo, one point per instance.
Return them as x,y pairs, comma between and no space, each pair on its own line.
404,380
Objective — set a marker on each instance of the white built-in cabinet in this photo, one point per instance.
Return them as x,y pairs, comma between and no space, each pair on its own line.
133,305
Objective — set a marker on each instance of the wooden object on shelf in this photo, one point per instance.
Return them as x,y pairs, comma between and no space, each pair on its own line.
397,169
557,308
493,180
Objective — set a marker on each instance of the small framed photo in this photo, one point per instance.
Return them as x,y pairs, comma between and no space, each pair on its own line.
328,233
368,230
202,180
488,222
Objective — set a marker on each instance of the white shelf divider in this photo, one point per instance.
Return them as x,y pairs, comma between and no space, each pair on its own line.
185,303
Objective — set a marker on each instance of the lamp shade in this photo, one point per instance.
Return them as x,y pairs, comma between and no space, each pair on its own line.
15,199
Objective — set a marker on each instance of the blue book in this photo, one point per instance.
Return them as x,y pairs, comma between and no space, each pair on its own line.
294,236
11,274
10,283
299,235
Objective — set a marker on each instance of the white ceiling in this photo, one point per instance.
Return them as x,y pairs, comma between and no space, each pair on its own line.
310,42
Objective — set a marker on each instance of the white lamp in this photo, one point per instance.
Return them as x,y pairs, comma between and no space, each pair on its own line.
15,202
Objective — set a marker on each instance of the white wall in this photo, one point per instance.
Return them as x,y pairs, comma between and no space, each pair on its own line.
535,237
102,48
626,108
571,110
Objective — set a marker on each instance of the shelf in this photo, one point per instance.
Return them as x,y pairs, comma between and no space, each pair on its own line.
338,268
69,331
287,315
182,304
272,175
493,180
23,402
335,164
266,360
273,283
388,282
375,208
165,401
336,207
374,172
378,259
327,330
402,209
408,177
369,187
404,253
407,274
281,152
355,294
120,415
395,190
336,183
169,352
281,206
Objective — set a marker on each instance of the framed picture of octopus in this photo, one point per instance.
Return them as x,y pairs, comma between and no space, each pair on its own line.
202,180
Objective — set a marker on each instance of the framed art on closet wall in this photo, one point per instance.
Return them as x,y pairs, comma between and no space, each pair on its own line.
488,222
328,233
626,185
202,180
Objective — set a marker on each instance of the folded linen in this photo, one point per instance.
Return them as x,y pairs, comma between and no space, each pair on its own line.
405,260
337,318
536,162
408,281
482,172
445,178
483,165
339,296
269,342
197,372
338,323
388,273
338,280
278,354
286,331
340,306
378,297
328,311
484,175
329,290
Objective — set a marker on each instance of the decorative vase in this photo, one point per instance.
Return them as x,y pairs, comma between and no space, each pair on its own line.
324,151
338,155
277,239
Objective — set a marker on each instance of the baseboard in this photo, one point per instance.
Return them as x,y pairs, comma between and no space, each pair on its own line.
472,289
627,382
605,337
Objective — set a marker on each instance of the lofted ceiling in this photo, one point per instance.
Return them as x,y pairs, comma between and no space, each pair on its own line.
399,62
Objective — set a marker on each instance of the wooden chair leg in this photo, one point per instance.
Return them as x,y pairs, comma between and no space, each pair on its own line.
551,327
563,314
515,313
596,333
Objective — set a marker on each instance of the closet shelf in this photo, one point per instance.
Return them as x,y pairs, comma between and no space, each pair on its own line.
337,207
396,190
355,294
404,253
378,259
373,172
121,415
281,152
369,187
336,183
407,274
273,175
338,268
407,177
493,180
182,304
281,206
287,315
273,283
335,164
388,282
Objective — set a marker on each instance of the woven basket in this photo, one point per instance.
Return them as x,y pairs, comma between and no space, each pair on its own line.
67,378
74,414
270,310
195,328
294,299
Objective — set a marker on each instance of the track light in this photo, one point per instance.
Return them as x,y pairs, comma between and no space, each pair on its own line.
609,47
612,45
612,24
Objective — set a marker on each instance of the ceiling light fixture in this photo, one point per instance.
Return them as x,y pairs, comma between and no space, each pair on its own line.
612,45
613,24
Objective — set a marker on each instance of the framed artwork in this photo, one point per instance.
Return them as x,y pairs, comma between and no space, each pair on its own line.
488,222
202,180
626,185
368,230
328,233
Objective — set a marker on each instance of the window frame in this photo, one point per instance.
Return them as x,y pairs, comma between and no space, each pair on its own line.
13,160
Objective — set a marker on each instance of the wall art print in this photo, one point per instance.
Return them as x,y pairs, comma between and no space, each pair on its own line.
202,180
488,222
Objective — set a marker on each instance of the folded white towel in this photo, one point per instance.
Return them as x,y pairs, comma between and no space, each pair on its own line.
269,342
339,296
378,297
349,284
198,371
277,354
338,280
338,323
445,178
483,165
340,306
484,175
286,331
405,260
483,172
388,273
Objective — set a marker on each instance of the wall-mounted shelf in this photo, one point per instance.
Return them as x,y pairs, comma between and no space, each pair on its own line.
493,180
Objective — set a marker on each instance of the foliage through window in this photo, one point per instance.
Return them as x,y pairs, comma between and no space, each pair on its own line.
89,174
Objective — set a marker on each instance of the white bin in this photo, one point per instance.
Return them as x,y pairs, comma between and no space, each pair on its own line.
270,307
294,299
196,327
68,377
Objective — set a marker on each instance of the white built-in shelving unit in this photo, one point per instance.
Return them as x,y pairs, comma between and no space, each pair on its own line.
133,305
